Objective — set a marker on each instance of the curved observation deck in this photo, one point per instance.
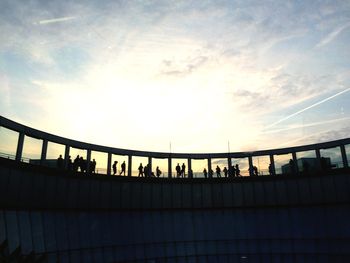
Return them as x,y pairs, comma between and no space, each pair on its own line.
292,163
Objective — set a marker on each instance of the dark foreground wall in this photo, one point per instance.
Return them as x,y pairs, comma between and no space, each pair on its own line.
100,219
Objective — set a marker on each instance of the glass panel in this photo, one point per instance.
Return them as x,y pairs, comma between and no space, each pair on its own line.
120,165
261,165
198,167
331,158
138,166
242,164
218,166
347,151
8,143
98,163
54,151
179,167
162,165
282,161
306,161
31,150
78,158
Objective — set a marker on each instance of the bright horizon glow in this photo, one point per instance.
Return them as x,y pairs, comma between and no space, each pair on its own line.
142,75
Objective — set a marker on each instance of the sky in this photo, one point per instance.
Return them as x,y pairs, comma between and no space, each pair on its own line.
180,76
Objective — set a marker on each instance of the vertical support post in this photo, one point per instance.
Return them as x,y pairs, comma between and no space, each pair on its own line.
20,146
88,159
109,163
229,162
129,165
43,152
250,160
318,157
169,168
149,166
66,156
210,174
295,162
189,164
272,167
344,157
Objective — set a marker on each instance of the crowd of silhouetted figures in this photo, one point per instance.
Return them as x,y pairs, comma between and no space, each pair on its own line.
81,165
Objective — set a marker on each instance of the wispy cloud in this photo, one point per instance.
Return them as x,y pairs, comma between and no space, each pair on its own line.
331,36
307,108
55,20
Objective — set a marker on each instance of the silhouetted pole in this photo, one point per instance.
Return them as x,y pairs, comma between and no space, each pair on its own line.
149,166
66,155
169,167
43,152
318,158
109,163
272,163
210,175
20,146
344,157
189,165
295,161
88,159
250,161
129,165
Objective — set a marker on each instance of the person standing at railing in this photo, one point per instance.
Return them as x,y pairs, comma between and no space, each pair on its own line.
178,170
76,163
205,173
114,167
60,162
123,166
158,171
140,170
183,169
225,171
218,171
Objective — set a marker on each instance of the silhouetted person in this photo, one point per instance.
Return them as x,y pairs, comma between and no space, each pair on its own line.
211,172
114,167
225,171
60,162
140,170
82,164
158,171
190,173
123,167
69,164
255,171
237,170
205,173
183,170
146,171
93,166
76,163
270,169
231,171
178,170
218,171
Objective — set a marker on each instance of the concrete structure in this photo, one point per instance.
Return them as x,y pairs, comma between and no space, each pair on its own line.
71,217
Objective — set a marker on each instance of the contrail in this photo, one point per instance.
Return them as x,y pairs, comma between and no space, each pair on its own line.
55,20
307,108
305,125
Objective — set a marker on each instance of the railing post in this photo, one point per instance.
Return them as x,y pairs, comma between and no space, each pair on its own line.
318,158
20,146
43,152
129,165
295,162
189,164
66,156
169,167
250,160
272,165
149,166
109,163
88,159
344,157
210,174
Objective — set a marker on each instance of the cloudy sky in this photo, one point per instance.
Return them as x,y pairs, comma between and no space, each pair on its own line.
198,74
